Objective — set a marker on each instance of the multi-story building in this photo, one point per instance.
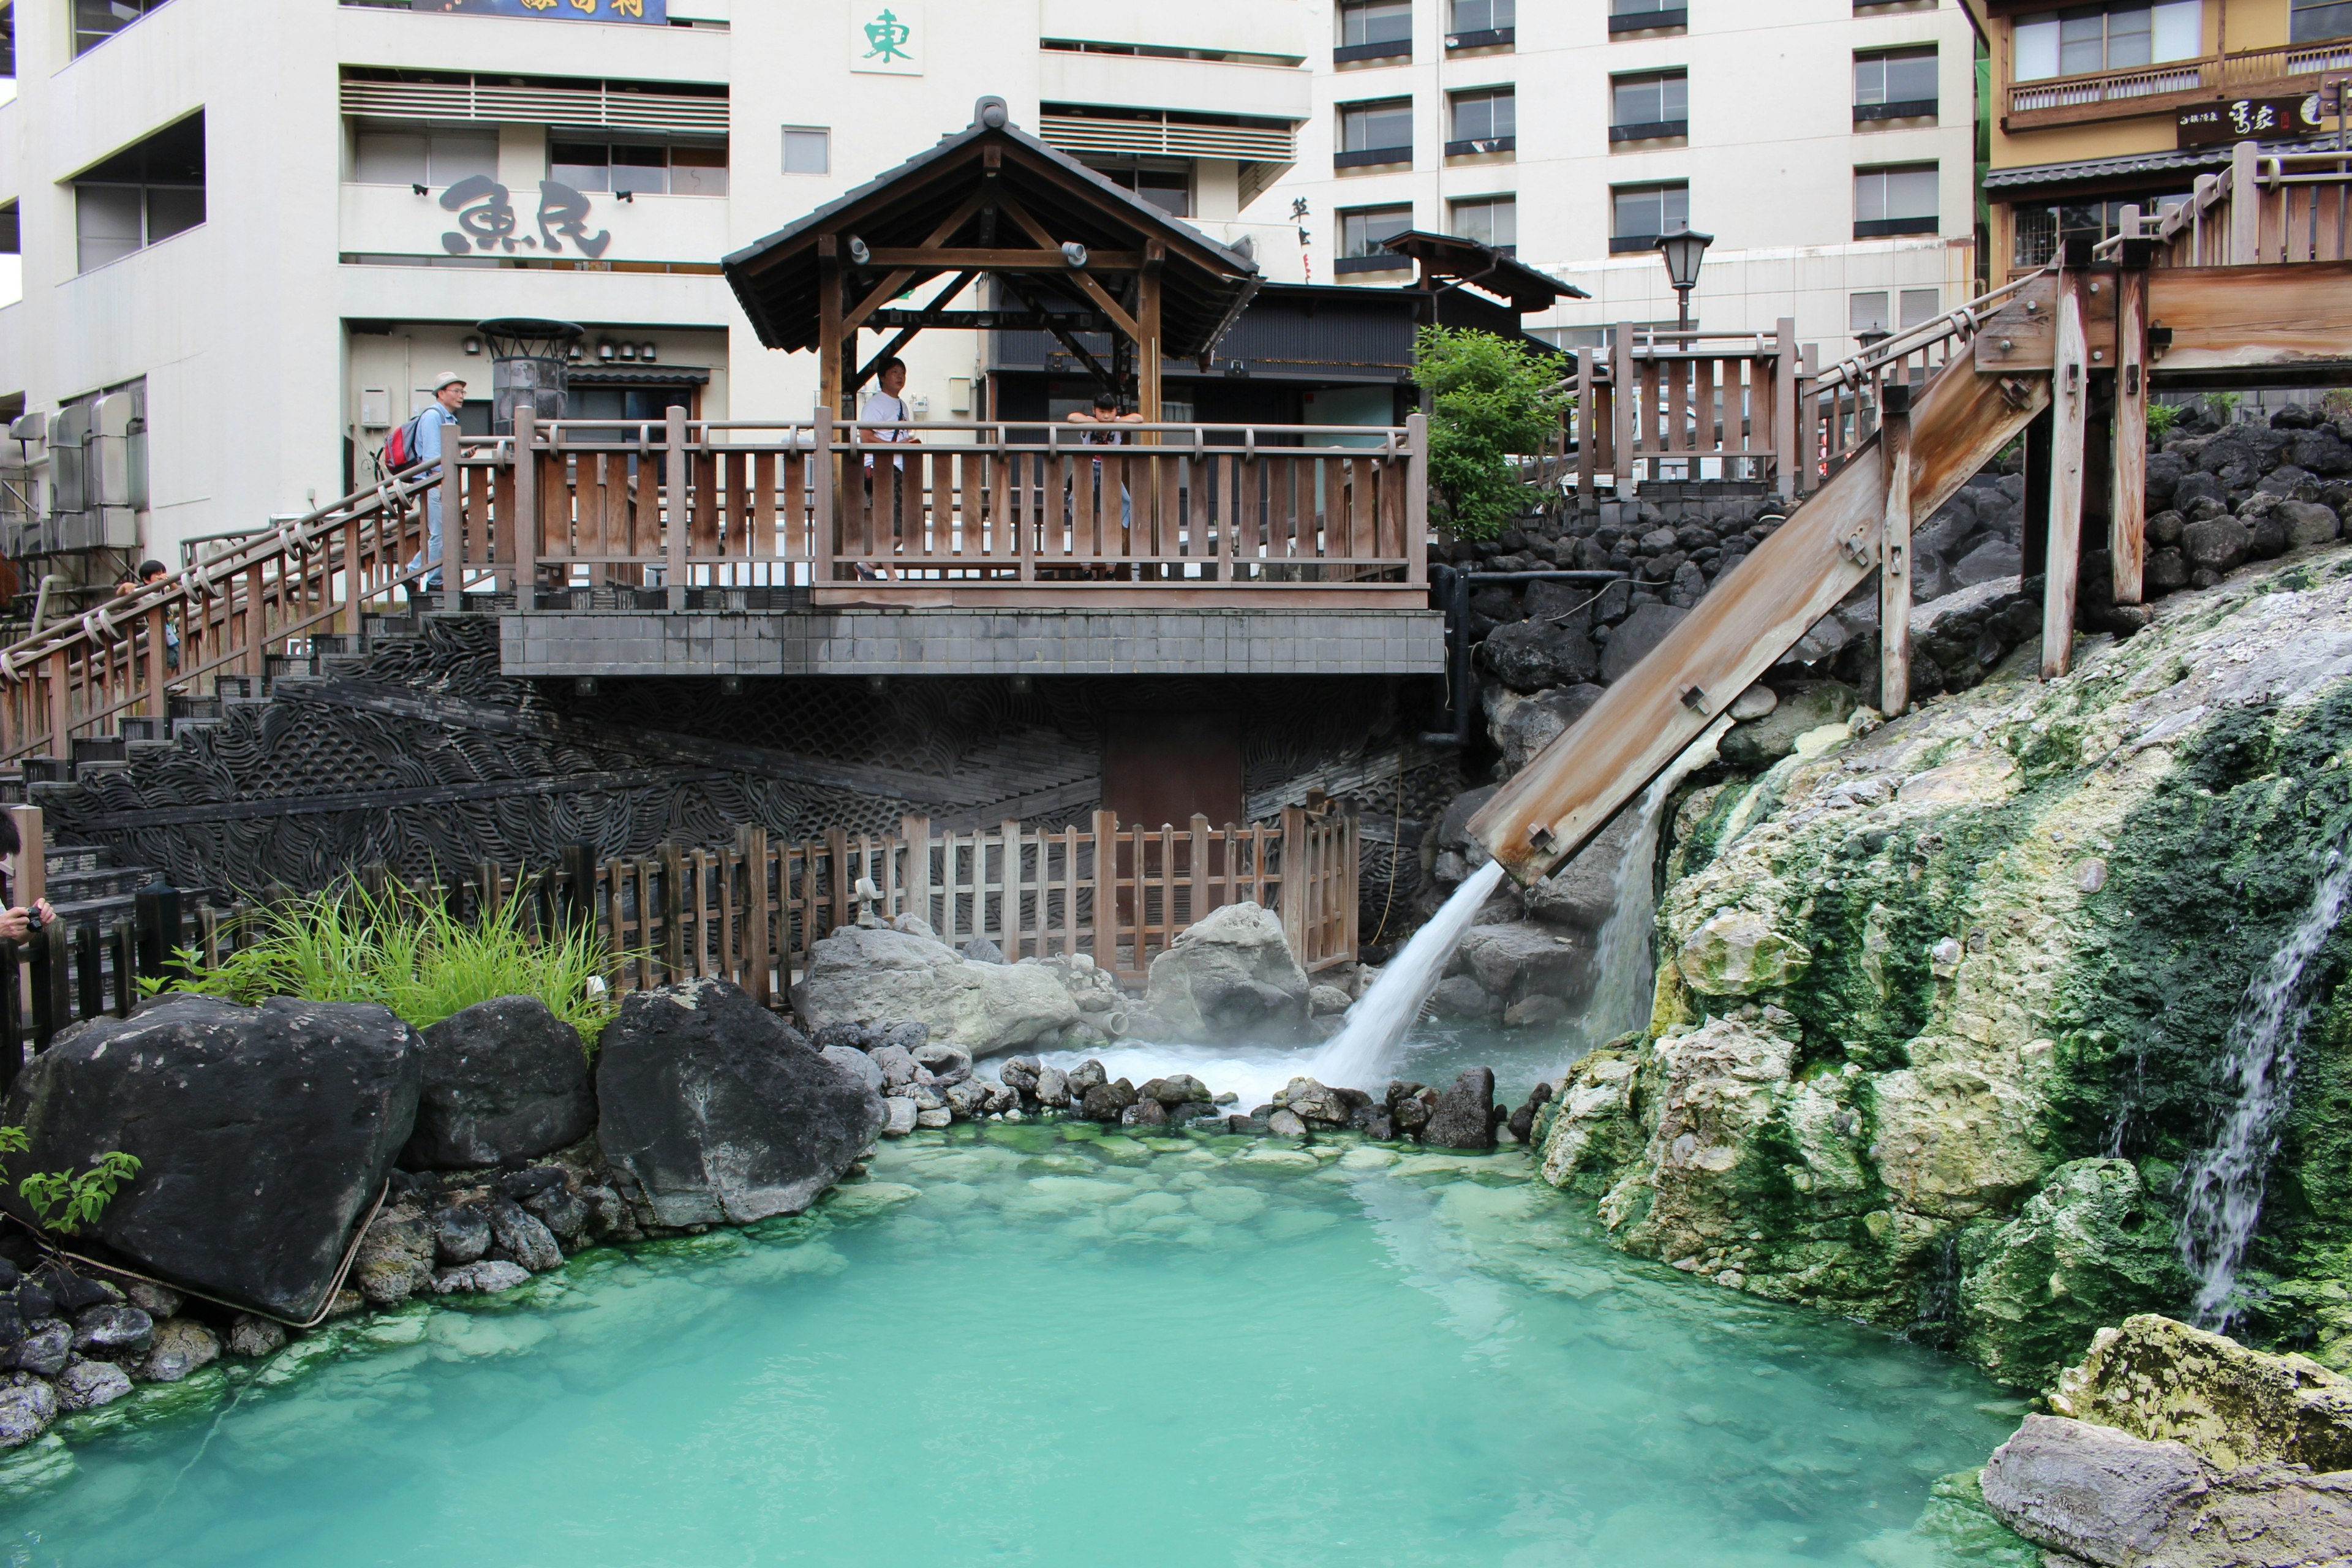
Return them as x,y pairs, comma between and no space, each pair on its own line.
2096,107
1826,144
261,226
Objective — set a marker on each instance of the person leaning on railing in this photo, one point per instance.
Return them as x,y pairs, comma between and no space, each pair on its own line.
1105,412
150,573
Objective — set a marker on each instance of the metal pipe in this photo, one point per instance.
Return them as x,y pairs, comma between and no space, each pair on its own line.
1452,585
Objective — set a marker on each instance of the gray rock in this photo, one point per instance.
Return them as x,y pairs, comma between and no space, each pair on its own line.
154,1300
1020,1074
2308,523
980,950
926,1095
1992,559
502,1080
718,1113
1465,1114
1286,1123
394,1258
2197,487
895,1065
308,1102
253,1337
909,1037
87,1385
1315,1103
1461,996
484,1278
967,1100
856,1064
1636,636
1583,890
1327,1001
1529,656
2104,1495
461,1234
1524,959
1453,824
107,1333
2216,544
1107,1101
947,1064
1521,727
1230,978
519,1236
1822,640
1177,1088
182,1346
1768,740
848,1035
1753,703
869,974
898,1116
1084,1075
941,1117
47,1344
561,1210
28,1406
2167,571
1530,1011
1145,1112
1053,1087
2164,527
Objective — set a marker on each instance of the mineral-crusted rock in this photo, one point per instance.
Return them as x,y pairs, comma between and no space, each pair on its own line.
521,1236
28,1406
1800,710
1231,978
501,1079
716,1114
1737,954
483,1278
857,1064
2163,1380
87,1385
111,1333
461,1233
2091,1247
182,1346
865,975
394,1258
898,1116
253,1337
48,1343
307,1102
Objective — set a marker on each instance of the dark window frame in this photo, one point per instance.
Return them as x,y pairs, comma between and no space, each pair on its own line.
1620,244
1903,222
1371,259
1658,20
1649,129
1345,53
1345,157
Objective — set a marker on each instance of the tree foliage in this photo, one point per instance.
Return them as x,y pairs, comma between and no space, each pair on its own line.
1489,398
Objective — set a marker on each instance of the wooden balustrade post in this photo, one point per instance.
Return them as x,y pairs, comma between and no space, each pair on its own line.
2068,394
1201,894
678,515
453,522
1623,413
673,907
52,980
915,829
1106,887
1784,408
1587,425
824,477
90,978
522,531
753,844
158,674
2127,489
123,944
1416,513
59,678
579,901
12,1014
354,583
845,908
2245,232
1292,896
161,930
1894,554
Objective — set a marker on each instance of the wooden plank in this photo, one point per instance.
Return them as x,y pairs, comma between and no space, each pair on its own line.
1894,555
1732,635
2127,494
2070,395
1106,891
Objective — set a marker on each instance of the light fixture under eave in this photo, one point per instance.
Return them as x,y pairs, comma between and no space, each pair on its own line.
628,351
858,251
471,345
645,352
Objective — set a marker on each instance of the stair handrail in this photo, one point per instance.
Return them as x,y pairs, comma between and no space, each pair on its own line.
1961,321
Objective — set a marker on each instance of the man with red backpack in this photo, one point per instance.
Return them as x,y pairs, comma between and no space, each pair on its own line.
419,441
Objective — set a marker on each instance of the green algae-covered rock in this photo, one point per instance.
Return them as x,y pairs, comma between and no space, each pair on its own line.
2160,1380
1913,976
2090,1248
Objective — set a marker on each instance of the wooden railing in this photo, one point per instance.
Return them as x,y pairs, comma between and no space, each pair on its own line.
2265,207
2169,84
980,513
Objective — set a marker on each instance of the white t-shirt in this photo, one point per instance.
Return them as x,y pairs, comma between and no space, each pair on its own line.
882,405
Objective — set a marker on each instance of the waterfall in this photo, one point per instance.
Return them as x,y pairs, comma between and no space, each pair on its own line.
2225,1182
1357,1056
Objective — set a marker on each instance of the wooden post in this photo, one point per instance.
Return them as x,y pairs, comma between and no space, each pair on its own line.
1784,408
1106,942
753,843
90,980
2127,492
1201,894
1894,556
1416,503
1294,880
824,478
1622,398
123,941
579,908
676,521
2069,393
836,851
1147,346
453,542
28,880
158,674
2245,242
1587,426
915,829
522,529
673,908
829,388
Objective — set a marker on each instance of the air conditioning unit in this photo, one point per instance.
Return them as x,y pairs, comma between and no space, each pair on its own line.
114,476
68,443
28,427
114,528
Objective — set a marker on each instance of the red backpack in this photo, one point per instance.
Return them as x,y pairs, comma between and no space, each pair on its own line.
399,447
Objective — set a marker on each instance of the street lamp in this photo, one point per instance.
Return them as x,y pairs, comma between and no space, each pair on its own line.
1684,252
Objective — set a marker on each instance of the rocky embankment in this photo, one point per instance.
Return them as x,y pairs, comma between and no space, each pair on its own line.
1941,1021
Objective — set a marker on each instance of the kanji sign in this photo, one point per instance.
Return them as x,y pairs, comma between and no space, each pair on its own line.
2247,120
486,220
654,11
887,37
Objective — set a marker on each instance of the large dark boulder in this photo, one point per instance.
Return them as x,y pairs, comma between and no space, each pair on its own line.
503,1079
1464,1117
715,1112
1529,656
263,1134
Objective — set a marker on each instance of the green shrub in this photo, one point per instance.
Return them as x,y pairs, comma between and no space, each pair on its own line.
1489,399
412,955
61,1200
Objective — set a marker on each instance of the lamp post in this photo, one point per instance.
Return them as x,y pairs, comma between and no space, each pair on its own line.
1684,252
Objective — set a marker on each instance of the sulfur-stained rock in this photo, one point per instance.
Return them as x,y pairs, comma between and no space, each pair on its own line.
1737,953
2232,1405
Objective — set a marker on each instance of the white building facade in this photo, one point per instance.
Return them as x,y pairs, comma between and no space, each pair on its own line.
241,236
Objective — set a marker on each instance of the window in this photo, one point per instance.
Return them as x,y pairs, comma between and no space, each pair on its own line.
1655,103
655,168
2041,228
95,21
1373,30
1643,16
1361,230
1895,84
1375,133
146,193
1900,200
1868,312
8,41
2087,38
1489,220
425,157
1478,23
808,150
12,233
1638,215
1484,120
2311,19
1168,187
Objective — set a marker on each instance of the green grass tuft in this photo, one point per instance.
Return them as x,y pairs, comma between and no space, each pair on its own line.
412,955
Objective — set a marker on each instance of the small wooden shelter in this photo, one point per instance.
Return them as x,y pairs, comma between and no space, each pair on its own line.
1075,253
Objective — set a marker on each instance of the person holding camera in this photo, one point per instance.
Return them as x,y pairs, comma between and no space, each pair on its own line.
17,922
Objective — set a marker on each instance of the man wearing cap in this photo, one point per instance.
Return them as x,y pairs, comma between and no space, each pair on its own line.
441,414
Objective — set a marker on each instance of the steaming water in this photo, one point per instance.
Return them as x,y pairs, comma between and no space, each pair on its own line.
1039,1347
2225,1183
1360,1056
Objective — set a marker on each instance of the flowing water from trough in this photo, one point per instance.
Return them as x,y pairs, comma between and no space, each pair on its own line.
2225,1183
1045,1345
1360,1056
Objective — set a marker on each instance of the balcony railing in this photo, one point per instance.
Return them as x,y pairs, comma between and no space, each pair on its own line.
2169,84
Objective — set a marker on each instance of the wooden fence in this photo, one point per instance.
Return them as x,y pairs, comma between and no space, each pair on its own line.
750,911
